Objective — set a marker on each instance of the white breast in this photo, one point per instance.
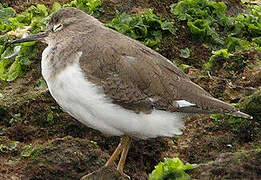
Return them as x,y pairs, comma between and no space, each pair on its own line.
86,102
45,65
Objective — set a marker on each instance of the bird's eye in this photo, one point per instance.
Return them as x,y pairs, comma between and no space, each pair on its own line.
57,27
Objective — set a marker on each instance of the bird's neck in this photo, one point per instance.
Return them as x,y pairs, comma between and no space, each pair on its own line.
56,57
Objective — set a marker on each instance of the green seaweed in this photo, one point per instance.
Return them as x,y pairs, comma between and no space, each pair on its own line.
185,53
88,6
145,27
171,169
11,147
203,17
208,21
222,52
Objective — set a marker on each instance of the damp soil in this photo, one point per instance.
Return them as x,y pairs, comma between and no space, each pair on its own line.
40,141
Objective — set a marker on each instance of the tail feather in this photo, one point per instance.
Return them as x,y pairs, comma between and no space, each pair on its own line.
209,104
241,114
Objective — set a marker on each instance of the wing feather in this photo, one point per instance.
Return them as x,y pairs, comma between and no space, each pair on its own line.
140,79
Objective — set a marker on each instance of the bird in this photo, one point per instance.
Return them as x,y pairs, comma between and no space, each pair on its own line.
117,85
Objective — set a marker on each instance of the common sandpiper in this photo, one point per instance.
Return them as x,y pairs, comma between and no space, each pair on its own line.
117,85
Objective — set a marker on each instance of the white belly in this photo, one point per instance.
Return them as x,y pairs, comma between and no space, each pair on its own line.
86,102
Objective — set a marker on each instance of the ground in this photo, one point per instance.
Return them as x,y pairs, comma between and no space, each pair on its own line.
40,141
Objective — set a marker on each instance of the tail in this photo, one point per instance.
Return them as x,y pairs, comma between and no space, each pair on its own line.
241,114
209,104
202,102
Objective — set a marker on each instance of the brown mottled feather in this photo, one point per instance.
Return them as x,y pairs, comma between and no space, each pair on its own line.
132,75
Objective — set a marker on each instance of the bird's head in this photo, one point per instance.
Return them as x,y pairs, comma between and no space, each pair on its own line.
64,24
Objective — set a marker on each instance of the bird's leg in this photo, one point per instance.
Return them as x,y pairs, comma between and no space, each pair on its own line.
126,140
117,151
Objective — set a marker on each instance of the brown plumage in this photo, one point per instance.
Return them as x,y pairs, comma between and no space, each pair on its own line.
144,89
132,74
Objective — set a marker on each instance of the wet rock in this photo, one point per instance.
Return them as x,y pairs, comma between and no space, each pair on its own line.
252,105
64,158
239,165
105,173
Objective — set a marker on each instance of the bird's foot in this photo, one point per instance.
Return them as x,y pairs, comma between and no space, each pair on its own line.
106,173
125,175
